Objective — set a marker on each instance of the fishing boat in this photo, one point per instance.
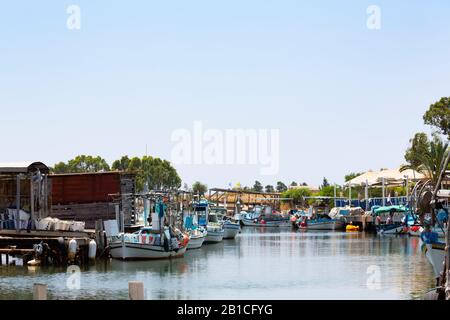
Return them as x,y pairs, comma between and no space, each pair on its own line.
149,244
435,253
209,221
322,222
231,228
265,217
391,228
196,238
197,235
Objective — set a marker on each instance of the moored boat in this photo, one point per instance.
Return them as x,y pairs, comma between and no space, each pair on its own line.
149,244
197,235
209,221
231,228
196,238
435,253
321,224
265,217
390,229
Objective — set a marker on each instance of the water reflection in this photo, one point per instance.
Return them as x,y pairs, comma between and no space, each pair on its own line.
262,263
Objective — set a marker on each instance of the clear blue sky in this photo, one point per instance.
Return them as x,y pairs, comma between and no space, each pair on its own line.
344,97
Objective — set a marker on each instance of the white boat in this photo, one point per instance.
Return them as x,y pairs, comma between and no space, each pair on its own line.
264,217
214,234
197,234
196,238
321,224
435,254
209,221
148,244
231,229
390,229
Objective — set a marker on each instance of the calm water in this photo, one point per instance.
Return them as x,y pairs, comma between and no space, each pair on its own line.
258,264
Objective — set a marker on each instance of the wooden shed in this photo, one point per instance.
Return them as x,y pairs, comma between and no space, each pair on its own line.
88,196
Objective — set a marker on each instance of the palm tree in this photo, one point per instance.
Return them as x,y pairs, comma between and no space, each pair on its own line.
430,160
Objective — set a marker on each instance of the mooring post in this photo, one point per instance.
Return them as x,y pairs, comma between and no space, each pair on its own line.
136,290
40,291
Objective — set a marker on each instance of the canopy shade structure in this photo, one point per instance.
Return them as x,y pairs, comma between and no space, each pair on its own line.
390,177
368,178
395,176
390,209
23,167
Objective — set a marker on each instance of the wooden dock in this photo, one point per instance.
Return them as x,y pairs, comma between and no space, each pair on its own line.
22,243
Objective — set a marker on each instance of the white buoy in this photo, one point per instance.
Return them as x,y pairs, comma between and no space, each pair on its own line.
92,250
34,262
72,249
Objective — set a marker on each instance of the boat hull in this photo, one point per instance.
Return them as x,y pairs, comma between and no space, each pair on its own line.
231,230
214,236
435,254
277,223
332,225
390,229
196,242
137,251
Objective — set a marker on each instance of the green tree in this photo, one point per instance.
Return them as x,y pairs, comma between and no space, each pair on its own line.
122,164
429,160
297,195
294,184
199,188
257,187
82,164
328,191
325,183
158,173
419,146
438,116
60,167
281,187
270,189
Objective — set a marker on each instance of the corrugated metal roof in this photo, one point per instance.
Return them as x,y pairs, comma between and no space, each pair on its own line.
23,167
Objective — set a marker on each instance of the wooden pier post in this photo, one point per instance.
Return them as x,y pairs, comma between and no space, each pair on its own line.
40,291
136,290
